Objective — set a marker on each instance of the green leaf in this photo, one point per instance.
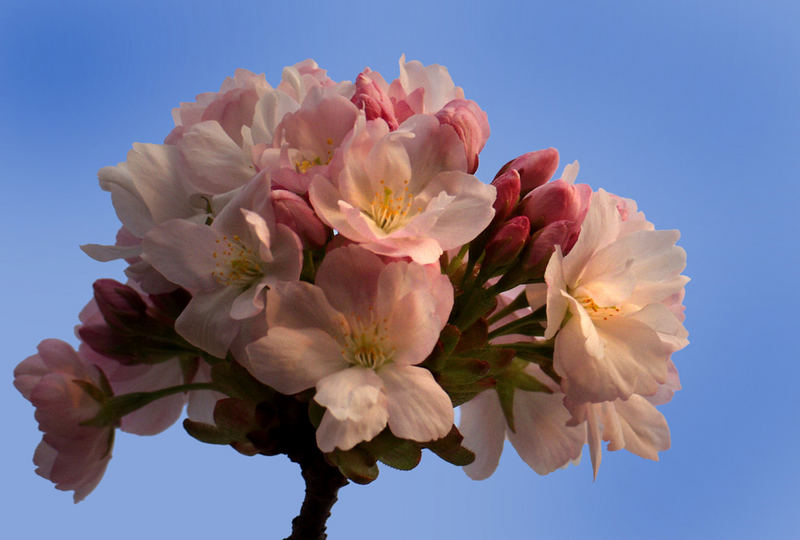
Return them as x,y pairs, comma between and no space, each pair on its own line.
449,448
356,464
395,452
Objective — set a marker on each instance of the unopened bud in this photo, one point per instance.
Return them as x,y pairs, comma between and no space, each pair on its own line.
120,305
507,186
543,244
471,125
556,201
294,212
506,244
535,168
372,97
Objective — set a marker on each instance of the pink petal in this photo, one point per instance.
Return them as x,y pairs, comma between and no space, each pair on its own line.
291,360
418,407
484,429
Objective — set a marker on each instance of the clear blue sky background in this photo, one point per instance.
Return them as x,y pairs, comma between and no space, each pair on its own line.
692,108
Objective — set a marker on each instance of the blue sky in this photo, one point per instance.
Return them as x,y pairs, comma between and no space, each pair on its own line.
689,107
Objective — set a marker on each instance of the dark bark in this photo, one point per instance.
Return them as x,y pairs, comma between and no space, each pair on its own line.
286,429
322,485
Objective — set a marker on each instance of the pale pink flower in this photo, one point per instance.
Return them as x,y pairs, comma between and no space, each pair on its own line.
225,266
356,337
633,424
619,336
541,437
404,193
422,89
232,107
305,140
72,456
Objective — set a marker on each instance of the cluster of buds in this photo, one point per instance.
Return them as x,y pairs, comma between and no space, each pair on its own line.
314,270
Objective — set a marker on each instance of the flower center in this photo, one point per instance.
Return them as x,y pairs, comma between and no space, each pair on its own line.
389,209
237,265
304,164
595,311
366,345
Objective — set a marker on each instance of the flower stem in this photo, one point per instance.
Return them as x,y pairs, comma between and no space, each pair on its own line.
323,482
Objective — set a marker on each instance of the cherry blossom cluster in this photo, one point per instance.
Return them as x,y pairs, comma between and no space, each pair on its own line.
319,258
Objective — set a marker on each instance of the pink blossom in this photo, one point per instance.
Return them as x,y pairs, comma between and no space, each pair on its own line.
72,456
421,89
226,265
305,140
348,337
404,193
633,424
232,107
620,335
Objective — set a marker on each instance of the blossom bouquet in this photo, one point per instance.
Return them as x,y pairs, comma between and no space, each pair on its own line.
314,270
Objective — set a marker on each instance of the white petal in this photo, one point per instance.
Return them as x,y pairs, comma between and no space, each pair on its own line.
206,321
484,429
345,434
542,438
418,407
350,394
217,162
183,252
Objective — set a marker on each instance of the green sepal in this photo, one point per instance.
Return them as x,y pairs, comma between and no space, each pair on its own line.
206,433
449,338
462,370
542,357
236,416
449,448
234,380
94,392
528,383
356,464
463,393
505,392
473,337
395,452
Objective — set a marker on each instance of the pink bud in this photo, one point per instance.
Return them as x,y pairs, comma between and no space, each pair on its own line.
294,212
507,186
556,201
120,305
471,125
507,242
543,243
535,168
372,96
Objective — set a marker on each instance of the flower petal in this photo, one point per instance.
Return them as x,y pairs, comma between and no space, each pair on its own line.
418,407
